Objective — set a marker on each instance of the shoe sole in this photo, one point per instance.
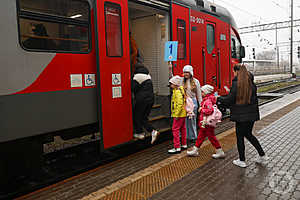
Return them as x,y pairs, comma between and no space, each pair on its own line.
240,165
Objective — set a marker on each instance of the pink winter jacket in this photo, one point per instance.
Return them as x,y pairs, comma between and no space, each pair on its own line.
207,106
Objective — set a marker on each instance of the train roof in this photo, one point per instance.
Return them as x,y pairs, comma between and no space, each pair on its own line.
212,9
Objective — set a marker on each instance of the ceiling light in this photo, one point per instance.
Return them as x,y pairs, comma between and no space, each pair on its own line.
76,16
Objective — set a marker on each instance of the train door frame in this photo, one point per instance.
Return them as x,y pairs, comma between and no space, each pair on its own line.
181,13
116,96
212,57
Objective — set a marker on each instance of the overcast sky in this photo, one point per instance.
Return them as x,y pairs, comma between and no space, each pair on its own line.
251,12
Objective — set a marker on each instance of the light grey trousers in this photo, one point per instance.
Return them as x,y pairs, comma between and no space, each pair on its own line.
191,124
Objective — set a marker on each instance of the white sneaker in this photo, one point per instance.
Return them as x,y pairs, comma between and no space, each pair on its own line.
193,152
262,159
219,154
174,150
140,136
154,134
239,163
184,146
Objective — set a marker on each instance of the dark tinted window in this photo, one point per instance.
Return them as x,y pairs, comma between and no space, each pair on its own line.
113,30
235,47
56,25
210,38
181,36
65,8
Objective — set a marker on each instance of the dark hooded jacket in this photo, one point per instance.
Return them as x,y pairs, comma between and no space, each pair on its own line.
241,112
142,86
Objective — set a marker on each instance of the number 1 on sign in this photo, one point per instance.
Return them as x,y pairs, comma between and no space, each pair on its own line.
171,49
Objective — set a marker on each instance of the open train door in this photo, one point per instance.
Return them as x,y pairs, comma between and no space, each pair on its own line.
181,33
113,65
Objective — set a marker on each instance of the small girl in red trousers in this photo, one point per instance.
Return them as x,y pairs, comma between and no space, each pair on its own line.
206,109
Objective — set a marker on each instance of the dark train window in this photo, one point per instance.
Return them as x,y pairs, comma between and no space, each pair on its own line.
210,38
56,25
181,37
113,25
235,47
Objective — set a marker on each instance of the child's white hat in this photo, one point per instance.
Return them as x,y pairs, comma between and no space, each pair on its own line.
207,89
176,80
188,68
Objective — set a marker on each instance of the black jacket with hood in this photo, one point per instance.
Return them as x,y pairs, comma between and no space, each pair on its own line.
142,86
241,112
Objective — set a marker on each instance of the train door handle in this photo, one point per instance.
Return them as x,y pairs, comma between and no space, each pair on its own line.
214,78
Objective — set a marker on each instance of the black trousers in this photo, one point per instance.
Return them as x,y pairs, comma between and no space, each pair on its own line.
140,117
244,129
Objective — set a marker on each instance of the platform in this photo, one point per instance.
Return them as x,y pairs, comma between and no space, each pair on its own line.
273,77
182,177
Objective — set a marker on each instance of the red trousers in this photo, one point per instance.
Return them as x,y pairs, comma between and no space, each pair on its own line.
177,128
210,133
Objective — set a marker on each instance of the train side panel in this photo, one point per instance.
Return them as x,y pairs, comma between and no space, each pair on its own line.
36,93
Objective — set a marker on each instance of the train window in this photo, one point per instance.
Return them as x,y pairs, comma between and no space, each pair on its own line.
235,47
63,8
210,38
181,37
113,30
55,26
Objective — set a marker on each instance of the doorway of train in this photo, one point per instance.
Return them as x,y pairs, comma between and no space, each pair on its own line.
149,30
212,57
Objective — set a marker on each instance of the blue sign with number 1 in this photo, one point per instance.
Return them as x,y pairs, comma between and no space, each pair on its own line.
171,50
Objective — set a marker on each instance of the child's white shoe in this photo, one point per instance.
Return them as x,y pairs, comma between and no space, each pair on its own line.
239,163
262,159
193,152
140,136
184,147
174,150
154,134
219,154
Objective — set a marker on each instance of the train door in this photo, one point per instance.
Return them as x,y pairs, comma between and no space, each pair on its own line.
113,65
181,33
211,55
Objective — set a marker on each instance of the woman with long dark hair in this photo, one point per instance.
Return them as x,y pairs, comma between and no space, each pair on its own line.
243,103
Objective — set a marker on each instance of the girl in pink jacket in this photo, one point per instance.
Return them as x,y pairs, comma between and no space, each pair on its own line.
206,109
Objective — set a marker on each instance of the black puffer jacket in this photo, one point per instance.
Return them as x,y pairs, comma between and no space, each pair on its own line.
142,86
241,112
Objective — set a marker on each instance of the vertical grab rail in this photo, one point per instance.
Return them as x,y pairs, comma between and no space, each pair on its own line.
219,69
204,65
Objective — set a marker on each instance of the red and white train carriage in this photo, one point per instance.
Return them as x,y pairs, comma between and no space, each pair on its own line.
65,65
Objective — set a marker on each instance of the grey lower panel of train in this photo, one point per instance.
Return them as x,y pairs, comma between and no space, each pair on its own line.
25,115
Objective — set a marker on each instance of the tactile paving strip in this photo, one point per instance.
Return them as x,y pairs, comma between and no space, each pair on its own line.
146,186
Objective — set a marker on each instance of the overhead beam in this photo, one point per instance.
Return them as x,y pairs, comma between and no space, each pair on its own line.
268,27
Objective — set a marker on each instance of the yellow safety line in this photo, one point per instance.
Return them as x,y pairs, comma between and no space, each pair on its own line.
155,178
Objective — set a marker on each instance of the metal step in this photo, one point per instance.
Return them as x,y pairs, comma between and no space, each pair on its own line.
156,118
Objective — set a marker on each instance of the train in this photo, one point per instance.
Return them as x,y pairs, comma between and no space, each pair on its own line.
66,69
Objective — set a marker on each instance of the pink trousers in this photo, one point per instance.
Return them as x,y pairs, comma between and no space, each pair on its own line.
177,128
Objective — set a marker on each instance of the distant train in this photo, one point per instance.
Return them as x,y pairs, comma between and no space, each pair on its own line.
65,66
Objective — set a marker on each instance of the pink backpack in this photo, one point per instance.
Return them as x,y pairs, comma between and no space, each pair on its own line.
189,107
215,117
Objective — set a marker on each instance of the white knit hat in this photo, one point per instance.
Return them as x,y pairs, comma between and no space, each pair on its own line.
207,89
176,80
188,68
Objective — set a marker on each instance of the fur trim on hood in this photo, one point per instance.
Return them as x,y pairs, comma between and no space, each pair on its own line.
140,78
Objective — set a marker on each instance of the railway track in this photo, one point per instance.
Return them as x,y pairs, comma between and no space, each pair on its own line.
59,165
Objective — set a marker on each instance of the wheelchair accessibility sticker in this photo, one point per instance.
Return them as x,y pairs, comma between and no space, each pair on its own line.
116,79
89,80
